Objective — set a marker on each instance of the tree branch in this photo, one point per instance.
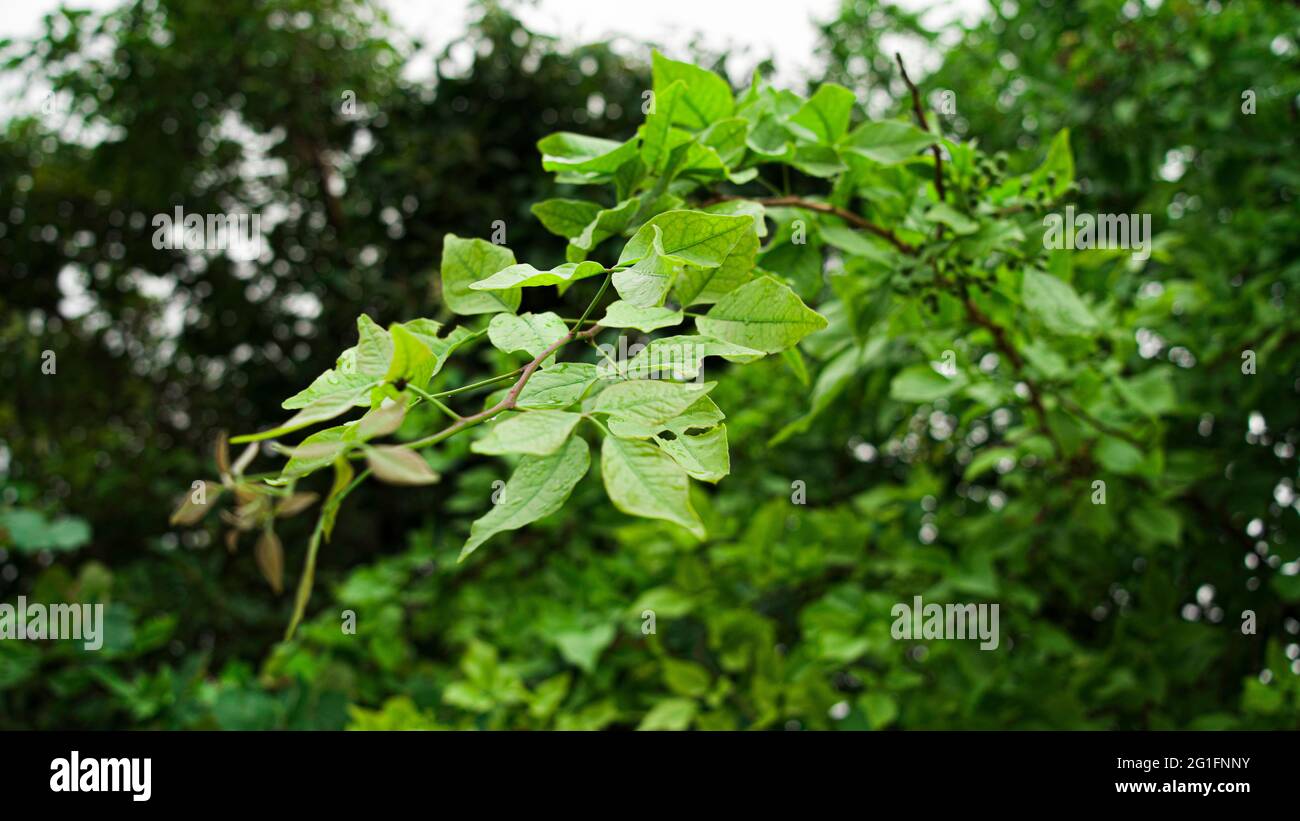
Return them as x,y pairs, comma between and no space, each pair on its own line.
507,403
826,208
925,125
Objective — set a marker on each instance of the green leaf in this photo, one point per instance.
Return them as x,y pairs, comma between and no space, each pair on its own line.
825,117
1118,456
1056,173
526,276
581,648
399,465
427,331
641,407
669,714
754,210
334,384
557,386
533,333
607,223
944,214
642,480
764,315
686,678
323,409
681,357
466,261
412,360
1054,302
705,456
578,153
922,383
887,142
702,415
855,243
726,139
538,488
658,137
30,531
831,382
565,218
696,285
382,421
646,283
622,314
319,450
696,237
536,433
707,97
357,370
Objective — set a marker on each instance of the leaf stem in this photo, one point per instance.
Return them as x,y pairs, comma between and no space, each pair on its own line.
428,397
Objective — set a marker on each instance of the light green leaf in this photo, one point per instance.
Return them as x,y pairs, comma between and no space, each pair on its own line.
764,315
1058,165
607,223
622,314
658,137
526,276
680,357
466,261
702,415
558,386
707,98
669,714
642,480
334,384
825,117
922,383
412,360
382,421
696,237
755,210
887,142
427,331
641,407
319,450
537,433
726,139
565,151
856,243
398,465
704,456
539,487
533,333
1056,303
325,408
357,369
646,283
1118,456
565,218
582,647
697,285
944,214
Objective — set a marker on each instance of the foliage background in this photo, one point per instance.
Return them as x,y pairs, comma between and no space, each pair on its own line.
1122,616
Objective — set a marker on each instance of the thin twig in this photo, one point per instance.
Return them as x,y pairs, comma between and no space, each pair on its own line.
826,208
925,126
507,403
